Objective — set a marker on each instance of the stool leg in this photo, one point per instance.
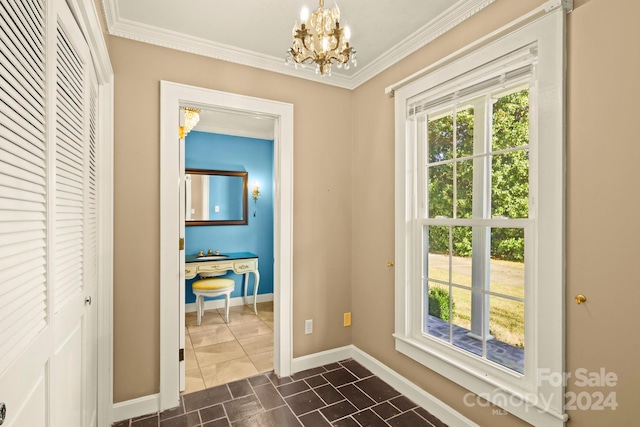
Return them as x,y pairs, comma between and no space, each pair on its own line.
226,307
199,301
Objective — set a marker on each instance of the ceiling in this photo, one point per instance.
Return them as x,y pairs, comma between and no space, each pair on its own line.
257,33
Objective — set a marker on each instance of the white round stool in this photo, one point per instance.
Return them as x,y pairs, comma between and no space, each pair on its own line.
212,287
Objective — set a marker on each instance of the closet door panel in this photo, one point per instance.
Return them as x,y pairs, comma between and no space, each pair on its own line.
25,331
70,219
48,217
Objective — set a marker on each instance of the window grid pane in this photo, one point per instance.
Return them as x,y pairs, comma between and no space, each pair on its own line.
510,184
440,138
440,188
510,120
449,170
464,131
473,278
507,323
478,311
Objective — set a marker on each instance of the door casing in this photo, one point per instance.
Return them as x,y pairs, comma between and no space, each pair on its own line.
172,96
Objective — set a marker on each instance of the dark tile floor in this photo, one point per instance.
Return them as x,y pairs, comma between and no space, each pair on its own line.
343,394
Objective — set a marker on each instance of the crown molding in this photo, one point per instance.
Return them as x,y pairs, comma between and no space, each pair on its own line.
111,13
454,16
199,46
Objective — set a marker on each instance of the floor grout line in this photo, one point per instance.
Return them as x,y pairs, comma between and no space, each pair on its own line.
259,414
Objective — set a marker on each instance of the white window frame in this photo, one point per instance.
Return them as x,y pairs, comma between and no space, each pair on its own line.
531,396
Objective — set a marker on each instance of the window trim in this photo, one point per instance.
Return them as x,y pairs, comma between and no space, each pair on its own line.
545,401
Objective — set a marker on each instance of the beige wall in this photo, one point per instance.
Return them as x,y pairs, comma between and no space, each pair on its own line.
601,180
343,205
322,201
602,177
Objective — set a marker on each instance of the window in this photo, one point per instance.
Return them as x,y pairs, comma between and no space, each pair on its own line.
479,220
476,221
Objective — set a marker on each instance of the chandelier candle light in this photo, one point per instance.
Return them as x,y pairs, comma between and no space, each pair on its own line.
191,118
320,39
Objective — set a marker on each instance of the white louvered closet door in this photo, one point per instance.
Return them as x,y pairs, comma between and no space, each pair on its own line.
25,332
48,217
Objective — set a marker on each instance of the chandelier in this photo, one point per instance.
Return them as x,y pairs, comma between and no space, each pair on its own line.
191,118
320,40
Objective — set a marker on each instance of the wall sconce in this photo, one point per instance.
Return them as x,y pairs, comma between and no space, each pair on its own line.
255,192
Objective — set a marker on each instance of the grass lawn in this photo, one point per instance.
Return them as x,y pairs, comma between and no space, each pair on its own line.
506,316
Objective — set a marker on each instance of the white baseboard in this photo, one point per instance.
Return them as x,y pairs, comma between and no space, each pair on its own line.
416,394
136,407
233,302
314,360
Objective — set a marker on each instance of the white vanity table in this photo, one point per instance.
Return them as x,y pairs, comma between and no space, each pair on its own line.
238,262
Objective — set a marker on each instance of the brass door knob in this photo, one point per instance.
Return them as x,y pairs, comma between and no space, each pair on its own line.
390,264
580,299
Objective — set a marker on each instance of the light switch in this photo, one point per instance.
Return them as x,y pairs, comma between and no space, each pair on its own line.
217,209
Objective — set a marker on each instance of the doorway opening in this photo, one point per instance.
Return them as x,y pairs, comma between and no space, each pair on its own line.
172,273
229,211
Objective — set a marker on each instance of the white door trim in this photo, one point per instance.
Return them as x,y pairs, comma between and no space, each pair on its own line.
172,96
105,253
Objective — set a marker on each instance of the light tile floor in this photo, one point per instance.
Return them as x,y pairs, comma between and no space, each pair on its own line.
219,353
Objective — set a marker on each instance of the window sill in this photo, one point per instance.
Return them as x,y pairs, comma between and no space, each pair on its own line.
527,405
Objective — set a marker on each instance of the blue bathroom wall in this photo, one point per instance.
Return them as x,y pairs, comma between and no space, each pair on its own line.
224,194
233,153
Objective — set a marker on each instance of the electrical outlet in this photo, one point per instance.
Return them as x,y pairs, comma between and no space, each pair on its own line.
347,319
308,326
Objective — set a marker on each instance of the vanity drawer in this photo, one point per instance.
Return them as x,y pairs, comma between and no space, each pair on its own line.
190,271
244,266
213,268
